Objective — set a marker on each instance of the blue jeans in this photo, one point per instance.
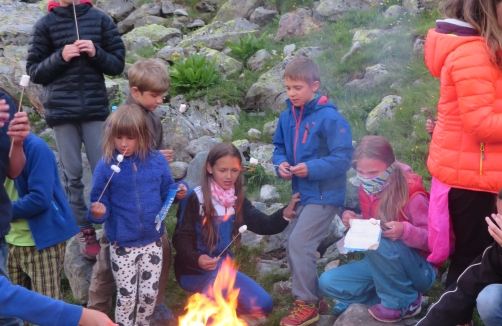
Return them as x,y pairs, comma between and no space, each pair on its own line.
4,249
489,303
391,275
252,299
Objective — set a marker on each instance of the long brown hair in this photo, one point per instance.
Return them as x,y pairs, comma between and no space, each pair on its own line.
394,196
129,121
482,15
209,233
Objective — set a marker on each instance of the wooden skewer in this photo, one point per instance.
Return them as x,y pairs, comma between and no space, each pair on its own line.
102,193
75,16
18,110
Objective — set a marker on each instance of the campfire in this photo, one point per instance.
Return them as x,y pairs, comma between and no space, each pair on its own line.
215,309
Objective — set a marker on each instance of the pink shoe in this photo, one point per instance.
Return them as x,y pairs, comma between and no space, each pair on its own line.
89,246
387,315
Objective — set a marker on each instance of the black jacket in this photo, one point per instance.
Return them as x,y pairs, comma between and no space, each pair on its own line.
75,90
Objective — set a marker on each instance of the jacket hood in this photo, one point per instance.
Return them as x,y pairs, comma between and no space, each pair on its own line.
442,41
318,102
53,4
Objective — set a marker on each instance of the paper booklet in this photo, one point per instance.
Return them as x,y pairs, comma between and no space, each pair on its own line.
362,235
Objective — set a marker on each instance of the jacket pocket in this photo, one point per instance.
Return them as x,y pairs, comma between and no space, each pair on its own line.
481,157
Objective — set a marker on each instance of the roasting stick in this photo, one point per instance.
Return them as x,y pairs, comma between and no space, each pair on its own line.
115,169
242,229
25,81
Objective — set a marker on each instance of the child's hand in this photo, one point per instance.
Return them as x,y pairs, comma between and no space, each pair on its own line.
98,210
300,170
168,154
208,263
19,128
395,233
429,126
182,192
347,216
4,113
94,318
86,46
493,228
70,51
283,171
289,211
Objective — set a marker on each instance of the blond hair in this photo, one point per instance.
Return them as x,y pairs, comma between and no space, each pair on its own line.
302,68
128,121
394,197
482,15
149,75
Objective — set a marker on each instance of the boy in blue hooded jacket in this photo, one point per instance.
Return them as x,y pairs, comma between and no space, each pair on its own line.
313,148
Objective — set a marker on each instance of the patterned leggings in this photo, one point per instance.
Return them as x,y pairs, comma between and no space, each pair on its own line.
136,271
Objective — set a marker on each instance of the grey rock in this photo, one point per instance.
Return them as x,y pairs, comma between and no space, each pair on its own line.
384,111
177,24
334,10
78,270
180,12
178,169
262,16
196,24
263,154
225,64
203,144
174,41
274,266
155,33
294,24
126,25
134,44
278,241
355,47
416,6
394,11
117,9
182,19
258,60
283,287
167,8
418,46
326,320
357,314
289,49
273,208
397,84
205,6
18,19
112,88
254,133
270,127
250,239
149,20
237,9
374,76
194,171
262,207
268,193
171,54
242,145
352,193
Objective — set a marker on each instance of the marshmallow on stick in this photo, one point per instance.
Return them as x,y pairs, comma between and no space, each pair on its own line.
115,169
182,109
25,81
254,161
242,229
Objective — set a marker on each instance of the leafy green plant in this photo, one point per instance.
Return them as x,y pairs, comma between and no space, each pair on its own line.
194,73
257,176
246,46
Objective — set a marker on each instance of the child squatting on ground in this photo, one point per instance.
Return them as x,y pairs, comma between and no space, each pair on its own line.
210,217
129,205
391,278
313,147
148,81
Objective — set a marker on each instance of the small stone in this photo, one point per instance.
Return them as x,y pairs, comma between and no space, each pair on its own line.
254,133
289,49
268,192
180,12
270,127
283,287
196,24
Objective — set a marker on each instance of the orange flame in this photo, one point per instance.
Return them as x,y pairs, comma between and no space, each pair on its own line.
226,217
215,309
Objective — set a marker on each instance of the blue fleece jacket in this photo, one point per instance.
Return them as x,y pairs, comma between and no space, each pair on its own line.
133,198
35,308
41,198
320,137
5,205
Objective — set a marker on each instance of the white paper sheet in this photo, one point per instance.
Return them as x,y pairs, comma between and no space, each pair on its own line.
363,235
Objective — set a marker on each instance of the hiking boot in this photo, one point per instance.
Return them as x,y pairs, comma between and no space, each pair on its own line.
387,315
302,314
161,316
322,307
89,246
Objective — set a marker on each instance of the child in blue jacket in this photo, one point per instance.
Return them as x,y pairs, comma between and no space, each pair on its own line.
42,221
129,201
313,148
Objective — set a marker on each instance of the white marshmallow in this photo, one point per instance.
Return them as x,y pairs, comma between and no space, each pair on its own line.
253,161
120,157
25,81
243,228
115,168
183,108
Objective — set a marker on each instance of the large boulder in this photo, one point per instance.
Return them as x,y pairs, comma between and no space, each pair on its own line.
268,92
171,54
216,34
194,171
117,9
225,64
203,144
155,33
262,16
258,60
357,314
294,24
334,10
18,19
150,9
374,76
384,111
237,9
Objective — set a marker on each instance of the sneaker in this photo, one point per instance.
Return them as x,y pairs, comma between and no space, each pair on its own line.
302,314
161,316
387,315
340,307
89,246
322,307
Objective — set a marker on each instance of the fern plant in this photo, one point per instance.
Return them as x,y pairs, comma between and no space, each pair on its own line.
246,46
193,74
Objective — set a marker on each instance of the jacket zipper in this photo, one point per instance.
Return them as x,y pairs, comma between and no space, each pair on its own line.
137,196
305,133
297,127
481,157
